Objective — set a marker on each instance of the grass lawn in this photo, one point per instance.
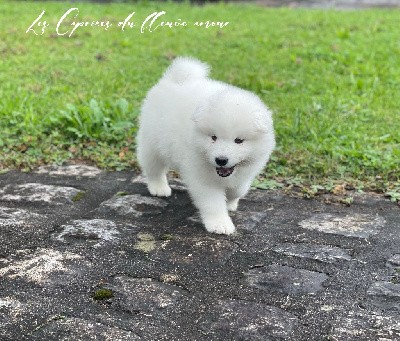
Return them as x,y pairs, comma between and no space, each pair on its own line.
332,79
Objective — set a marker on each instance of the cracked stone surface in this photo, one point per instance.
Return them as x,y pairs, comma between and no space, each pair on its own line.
358,225
394,260
90,255
194,251
74,328
132,205
386,295
286,279
100,231
40,266
147,296
38,193
323,253
15,217
70,170
385,289
241,320
250,220
363,326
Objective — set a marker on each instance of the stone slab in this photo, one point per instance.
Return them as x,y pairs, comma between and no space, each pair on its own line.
43,266
285,279
241,320
355,225
172,280
70,170
133,205
322,253
94,232
38,193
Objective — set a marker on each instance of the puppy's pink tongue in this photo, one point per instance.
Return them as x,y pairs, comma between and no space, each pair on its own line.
224,171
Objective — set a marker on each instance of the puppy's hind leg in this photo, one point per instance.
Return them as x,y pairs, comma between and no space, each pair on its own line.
155,171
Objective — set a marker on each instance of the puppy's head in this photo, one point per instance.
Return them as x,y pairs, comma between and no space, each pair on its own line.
233,129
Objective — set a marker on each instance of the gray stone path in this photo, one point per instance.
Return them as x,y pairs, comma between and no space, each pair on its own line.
89,255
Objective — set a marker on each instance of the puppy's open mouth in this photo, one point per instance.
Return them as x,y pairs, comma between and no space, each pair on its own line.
225,171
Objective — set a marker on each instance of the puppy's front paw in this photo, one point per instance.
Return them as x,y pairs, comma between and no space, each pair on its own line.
220,225
159,190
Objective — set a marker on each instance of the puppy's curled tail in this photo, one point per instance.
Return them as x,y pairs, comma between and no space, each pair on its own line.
185,69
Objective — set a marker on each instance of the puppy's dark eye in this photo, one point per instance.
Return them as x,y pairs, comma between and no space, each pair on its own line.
238,140
214,138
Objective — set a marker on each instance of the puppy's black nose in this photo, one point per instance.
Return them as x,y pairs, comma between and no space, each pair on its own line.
221,161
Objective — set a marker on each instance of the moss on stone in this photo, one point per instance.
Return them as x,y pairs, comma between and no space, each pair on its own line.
78,196
122,194
146,242
167,236
102,294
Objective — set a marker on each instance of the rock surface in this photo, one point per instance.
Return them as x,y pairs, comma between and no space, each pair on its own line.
89,255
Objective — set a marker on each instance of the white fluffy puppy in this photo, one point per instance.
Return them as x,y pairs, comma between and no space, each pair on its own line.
218,137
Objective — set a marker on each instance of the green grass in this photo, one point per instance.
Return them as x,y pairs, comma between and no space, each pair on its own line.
332,79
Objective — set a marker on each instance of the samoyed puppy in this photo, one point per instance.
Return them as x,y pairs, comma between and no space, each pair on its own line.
217,136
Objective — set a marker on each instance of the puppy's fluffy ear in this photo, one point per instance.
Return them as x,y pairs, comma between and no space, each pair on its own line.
262,121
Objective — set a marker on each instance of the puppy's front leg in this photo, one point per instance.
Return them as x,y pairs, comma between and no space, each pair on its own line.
234,194
233,204
211,203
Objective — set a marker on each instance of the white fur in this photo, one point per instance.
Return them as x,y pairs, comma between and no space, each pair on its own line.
179,116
